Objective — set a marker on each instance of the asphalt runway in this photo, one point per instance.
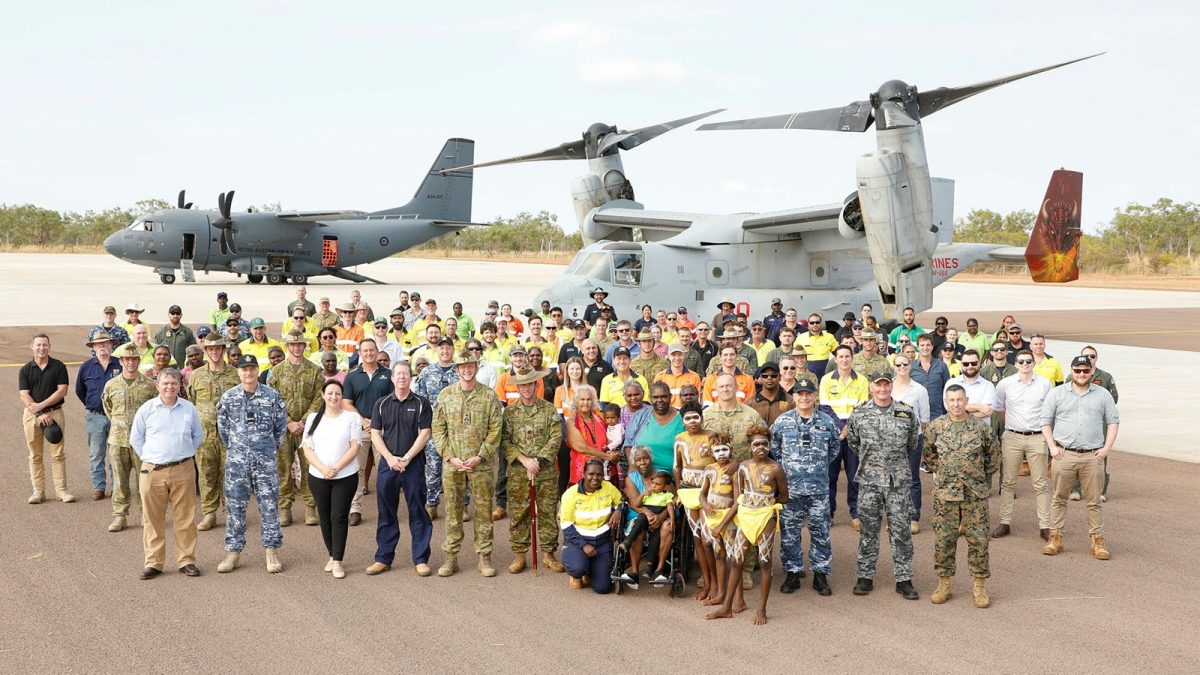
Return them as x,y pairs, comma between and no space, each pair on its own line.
77,604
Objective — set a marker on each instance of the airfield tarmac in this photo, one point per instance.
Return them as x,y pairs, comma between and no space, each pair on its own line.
75,602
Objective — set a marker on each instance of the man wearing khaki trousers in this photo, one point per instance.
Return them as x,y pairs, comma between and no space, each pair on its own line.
42,384
1019,402
165,434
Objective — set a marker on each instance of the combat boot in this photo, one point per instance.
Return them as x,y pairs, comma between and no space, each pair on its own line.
1054,546
273,564
906,589
945,590
517,565
498,513
982,601
231,562
207,522
821,584
863,586
310,516
432,510
1099,550
486,568
117,524
552,564
449,567
285,517
790,583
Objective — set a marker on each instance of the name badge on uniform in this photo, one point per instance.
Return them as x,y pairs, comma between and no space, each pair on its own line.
251,418
904,414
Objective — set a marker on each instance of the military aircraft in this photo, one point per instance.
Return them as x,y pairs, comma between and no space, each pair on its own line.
295,245
889,242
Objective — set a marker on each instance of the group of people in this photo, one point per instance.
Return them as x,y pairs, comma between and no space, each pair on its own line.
544,420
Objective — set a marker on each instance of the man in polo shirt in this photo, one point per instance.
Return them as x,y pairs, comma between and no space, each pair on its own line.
1079,423
931,372
817,343
840,393
89,387
702,351
165,434
109,325
176,336
302,302
1019,401
1015,342
770,401
220,314
401,426
259,345
678,375
575,346
42,384
363,387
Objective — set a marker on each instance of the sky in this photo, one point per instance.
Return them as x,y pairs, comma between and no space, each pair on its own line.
319,105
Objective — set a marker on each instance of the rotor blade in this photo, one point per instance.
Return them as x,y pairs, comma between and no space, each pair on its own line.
181,202
569,150
943,97
854,117
227,240
628,140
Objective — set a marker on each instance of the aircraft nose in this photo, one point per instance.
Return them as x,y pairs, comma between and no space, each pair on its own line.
111,245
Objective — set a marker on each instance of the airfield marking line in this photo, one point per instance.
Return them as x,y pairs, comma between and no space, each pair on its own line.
17,365
1074,597
1134,332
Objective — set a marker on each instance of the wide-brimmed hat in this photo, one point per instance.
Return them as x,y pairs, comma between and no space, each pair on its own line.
723,302
214,340
347,307
134,307
528,377
127,351
599,290
463,358
99,337
295,337
645,334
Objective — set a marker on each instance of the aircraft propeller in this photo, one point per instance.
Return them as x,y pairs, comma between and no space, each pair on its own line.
895,104
597,140
182,204
225,222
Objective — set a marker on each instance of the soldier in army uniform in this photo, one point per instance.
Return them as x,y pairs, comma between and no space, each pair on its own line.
804,441
299,382
204,390
731,337
869,360
432,380
883,433
121,398
962,451
529,444
467,425
648,364
252,420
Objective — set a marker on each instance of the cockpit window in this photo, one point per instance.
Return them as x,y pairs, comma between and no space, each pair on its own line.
627,268
593,265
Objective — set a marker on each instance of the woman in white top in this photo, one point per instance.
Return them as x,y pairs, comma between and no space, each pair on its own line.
332,437
915,395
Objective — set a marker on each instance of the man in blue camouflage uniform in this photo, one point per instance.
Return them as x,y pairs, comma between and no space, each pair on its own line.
251,420
432,380
804,442
883,432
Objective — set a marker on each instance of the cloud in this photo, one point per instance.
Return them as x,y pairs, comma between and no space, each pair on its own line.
631,71
579,33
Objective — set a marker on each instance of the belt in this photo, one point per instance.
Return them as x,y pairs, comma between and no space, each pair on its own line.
52,408
1023,433
169,464
1081,450
96,412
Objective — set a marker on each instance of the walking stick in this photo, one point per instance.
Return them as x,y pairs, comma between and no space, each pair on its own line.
533,516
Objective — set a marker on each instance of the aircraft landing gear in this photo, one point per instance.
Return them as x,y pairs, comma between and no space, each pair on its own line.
276,279
299,279
254,278
167,278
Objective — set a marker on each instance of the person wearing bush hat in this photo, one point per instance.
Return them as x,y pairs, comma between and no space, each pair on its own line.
594,310
93,374
134,313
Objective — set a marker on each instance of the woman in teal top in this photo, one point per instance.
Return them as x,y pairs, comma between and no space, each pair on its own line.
660,429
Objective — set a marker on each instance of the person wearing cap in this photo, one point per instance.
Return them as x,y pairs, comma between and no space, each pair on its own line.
648,363
962,453
467,426
109,325
908,327
42,385
869,360
947,354
883,433
682,320
434,379
529,443
1015,342
774,321
574,345
592,313
221,313
506,390
133,316
397,331
805,441
429,318
727,364
841,392
677,374
120,400
612,387
817,343
165,433
770,401
849,321
93,374
259,344
175,335
205,388
233,331
385,341
302,302
324,317
730,336
724,309
252,420
299,382
759,342
363,387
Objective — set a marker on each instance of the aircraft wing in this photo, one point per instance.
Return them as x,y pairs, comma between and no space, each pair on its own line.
1013,254
313,216
631,218
457,223
794,221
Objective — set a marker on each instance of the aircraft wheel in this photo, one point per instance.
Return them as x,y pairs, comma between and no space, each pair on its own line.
167,278
254,278
276,279
299,279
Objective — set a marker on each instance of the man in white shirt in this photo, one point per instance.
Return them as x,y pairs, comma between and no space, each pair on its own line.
981,394
1019,401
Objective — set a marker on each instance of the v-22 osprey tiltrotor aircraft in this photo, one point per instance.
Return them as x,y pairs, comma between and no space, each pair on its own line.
888,243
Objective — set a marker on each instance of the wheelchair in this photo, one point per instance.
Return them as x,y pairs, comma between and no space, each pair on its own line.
679,558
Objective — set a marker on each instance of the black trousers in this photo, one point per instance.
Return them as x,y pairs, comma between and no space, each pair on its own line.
333,499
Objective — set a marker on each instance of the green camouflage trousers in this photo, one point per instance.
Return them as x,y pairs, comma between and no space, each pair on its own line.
455,485
971,516
546,487
125,463
289,452
210,463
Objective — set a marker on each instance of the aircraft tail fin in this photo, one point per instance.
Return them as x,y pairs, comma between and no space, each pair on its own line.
443,196
1053,250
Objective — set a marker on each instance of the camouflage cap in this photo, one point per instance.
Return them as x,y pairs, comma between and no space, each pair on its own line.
127,351
882,375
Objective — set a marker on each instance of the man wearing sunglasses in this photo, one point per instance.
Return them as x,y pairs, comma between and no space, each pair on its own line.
1015,342
1019,401
702,350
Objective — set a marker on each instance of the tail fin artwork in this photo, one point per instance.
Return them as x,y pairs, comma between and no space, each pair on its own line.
1053,250
444,196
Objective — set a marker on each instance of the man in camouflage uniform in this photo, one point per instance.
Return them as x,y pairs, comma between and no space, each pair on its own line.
529,444
121,398
299,382
804,441
962,451
731,337
883,432
432,380
648,364
467,424
204,389
324,317
252,420
869,360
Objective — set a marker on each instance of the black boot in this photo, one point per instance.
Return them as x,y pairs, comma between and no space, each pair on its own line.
790,583
821,584
906,589
863,586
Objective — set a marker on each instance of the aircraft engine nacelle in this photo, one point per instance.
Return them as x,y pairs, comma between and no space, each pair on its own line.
588,193
898,234
850,220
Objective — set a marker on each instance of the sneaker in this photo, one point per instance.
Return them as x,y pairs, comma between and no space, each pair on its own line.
660,580
624,577
67,497
423,570
37,497
1103,498
1075,496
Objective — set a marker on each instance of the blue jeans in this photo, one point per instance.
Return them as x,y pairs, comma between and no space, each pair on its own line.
97,425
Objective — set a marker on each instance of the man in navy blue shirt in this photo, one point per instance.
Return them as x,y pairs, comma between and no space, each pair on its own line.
363,387
89,385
